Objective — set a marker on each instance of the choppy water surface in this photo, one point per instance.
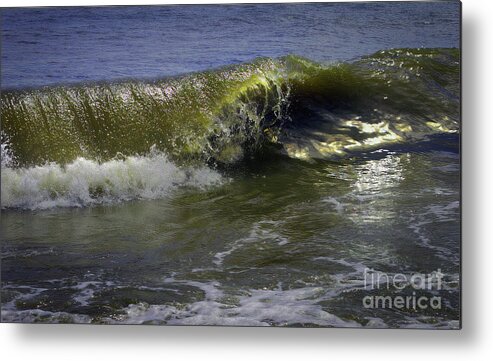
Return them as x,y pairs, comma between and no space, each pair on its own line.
253,194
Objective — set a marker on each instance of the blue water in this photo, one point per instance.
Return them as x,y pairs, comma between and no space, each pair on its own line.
45,46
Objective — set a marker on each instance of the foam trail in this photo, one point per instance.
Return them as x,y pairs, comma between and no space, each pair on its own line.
257,308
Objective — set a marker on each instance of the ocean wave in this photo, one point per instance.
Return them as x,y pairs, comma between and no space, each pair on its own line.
306,109
73,146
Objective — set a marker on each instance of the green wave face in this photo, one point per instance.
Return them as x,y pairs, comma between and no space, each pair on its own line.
198,116
305,109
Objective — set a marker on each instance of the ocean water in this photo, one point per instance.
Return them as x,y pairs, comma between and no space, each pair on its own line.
230,165
44,46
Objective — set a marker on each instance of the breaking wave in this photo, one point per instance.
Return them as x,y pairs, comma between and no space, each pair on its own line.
104,142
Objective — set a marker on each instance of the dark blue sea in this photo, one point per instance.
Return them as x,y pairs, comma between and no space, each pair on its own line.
44,46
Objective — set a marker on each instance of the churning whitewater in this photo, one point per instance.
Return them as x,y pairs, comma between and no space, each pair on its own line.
85,182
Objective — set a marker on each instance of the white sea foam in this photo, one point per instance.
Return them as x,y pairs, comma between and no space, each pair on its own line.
249,307
255,308
10,313
86,182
